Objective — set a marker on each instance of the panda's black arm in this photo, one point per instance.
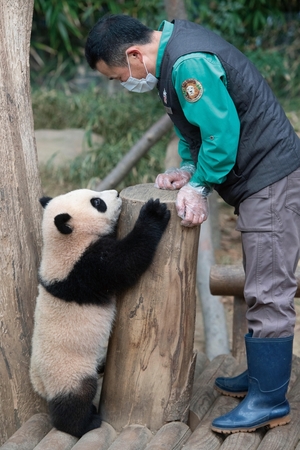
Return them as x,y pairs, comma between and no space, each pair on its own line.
111,266
122,262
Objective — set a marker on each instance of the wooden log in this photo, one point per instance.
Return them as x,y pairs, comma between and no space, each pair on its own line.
203,438
153,135
30,433
295,372
204,393
98,439
288,435
133,437
170,437
150,362
227,280
57,440
216,336
239,328
202,362
245,441
230,279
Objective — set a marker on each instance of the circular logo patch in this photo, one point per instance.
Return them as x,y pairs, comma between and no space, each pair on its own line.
192,89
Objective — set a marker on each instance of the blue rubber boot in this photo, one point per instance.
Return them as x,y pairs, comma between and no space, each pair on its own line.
234,386
269,370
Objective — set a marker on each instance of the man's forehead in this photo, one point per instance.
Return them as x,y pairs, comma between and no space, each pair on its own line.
103,68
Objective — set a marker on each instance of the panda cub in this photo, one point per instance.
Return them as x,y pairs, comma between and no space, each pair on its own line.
83,266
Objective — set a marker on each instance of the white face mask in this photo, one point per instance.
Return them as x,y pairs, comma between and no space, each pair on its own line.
142,85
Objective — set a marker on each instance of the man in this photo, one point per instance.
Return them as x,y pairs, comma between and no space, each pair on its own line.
236,139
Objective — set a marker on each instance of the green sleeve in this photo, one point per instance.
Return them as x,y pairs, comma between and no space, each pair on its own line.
214,113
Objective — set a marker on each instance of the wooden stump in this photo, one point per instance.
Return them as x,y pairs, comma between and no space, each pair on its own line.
150,361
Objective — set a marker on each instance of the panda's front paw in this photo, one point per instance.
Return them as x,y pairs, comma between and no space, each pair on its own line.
155,213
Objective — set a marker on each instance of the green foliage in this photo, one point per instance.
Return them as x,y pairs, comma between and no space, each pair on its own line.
121,120
268,35
237,20
262,29
60,28
267,32
277,56
223,17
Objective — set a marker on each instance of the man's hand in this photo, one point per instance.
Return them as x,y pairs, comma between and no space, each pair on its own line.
191,206
172,179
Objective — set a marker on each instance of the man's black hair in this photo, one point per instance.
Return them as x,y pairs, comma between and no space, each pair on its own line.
110,37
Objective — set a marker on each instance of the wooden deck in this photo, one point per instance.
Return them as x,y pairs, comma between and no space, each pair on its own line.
206,404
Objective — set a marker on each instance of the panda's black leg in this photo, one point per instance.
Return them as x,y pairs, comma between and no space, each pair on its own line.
74,413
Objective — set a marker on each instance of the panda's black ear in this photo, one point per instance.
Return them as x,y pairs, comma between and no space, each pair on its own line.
44,201
61,223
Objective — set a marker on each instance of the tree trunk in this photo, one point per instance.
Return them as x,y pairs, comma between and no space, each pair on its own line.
150,361
20,237
175,9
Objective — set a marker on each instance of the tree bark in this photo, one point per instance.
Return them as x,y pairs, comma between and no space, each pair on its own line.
175,9
150,361
20,237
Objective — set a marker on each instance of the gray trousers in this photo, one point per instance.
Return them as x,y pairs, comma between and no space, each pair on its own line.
269,222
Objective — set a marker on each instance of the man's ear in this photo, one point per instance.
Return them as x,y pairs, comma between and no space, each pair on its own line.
133,53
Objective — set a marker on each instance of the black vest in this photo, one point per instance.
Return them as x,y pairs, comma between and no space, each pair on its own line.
269,149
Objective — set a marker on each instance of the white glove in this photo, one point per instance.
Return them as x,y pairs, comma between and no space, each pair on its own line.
174,178
192,205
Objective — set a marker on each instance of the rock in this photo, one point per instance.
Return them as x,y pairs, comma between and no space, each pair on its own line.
61,146
172,159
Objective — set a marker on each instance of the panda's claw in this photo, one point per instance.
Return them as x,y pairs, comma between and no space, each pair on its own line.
154,208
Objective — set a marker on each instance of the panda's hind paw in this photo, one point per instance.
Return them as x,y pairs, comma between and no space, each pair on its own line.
94,423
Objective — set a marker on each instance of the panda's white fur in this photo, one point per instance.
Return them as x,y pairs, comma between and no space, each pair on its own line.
79,335
83,266
59,253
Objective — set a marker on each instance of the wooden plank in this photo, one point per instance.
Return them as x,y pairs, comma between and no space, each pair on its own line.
30,433
221,365
133,437
242,441
230,279
203,438
202,362
239,328
171,436
295,372
287,436
204,394
56,440
98,439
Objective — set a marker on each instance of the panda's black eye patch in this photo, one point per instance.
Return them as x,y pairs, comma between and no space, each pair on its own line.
99,204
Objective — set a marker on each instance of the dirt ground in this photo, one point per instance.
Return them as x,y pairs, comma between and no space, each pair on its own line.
229,251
